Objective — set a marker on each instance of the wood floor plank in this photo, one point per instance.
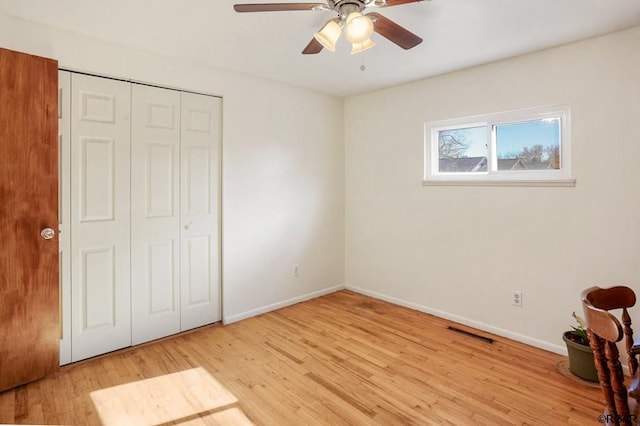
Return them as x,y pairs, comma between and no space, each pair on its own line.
340,359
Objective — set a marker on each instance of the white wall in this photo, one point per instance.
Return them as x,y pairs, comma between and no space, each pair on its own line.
459,251
283,166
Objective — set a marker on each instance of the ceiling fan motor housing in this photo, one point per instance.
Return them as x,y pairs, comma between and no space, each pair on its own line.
345,7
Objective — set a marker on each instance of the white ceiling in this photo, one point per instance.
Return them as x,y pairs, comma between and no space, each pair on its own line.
457,34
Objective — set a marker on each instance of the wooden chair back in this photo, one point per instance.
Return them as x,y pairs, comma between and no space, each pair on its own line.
618,297
604,332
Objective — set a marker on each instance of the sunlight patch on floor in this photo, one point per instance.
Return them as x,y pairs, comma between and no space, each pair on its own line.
189,397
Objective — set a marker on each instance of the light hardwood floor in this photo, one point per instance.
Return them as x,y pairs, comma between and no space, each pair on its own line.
339,359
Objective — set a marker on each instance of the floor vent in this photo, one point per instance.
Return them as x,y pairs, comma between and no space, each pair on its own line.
468,333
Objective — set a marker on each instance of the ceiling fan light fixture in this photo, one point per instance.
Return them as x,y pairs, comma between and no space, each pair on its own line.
358,28
361,47
328,35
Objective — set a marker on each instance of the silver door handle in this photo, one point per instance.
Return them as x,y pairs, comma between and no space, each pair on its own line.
47,233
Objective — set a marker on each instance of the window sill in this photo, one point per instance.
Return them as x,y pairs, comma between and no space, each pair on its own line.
567,183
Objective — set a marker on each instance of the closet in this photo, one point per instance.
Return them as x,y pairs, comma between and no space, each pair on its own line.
141,223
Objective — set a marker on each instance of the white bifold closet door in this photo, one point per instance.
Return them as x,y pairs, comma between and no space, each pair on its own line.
155,213
100,215
144,214
174,198
199,215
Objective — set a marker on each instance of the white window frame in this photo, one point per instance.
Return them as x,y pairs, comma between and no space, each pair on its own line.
493,176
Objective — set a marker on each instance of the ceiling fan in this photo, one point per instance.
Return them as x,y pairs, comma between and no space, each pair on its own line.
357,27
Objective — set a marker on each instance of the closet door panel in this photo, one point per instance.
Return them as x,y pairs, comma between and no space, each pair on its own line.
200,139
155,213
100,209
198,289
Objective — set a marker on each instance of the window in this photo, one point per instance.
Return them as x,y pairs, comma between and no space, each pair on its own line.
527,147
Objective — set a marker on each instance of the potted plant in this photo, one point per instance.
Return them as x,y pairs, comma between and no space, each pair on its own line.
580,353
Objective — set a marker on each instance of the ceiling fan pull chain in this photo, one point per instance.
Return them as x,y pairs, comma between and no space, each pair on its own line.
362,67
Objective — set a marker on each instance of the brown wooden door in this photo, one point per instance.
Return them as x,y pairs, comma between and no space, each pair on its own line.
29,279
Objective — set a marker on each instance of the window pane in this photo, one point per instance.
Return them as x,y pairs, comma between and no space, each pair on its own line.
462,150
528,145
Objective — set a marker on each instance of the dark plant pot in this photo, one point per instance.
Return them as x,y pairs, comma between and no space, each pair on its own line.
581,360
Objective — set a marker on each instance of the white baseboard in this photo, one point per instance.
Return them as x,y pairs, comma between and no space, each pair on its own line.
561,350
252,313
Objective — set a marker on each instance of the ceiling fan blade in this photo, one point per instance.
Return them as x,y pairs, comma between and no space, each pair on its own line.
277,7
390,3
313,47
394,32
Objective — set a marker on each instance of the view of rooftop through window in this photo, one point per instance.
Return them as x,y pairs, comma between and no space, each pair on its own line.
526,145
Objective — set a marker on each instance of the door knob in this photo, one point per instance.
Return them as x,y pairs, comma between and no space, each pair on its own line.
47,233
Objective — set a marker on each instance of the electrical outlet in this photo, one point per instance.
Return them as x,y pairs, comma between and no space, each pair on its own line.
296,270
516,298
